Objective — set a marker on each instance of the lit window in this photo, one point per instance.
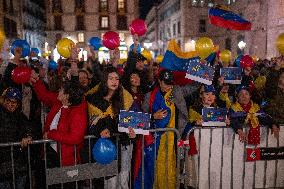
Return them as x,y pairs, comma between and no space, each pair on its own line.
121,4
104,22
81,37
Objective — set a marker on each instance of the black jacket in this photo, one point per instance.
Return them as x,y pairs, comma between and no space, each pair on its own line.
13,127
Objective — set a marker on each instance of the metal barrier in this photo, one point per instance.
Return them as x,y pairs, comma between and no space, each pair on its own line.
221,161
83,175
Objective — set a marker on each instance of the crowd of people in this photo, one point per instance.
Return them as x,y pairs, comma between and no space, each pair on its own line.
84,98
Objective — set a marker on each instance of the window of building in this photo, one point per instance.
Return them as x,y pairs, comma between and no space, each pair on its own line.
10,28
178,25
228,44
104,22
56,5
80,22
103,5
121,4
121,23
81,37
5,6
11,8
202,25
80,4
58,22
174,29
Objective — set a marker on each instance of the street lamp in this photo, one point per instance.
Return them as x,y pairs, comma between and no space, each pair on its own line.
241,45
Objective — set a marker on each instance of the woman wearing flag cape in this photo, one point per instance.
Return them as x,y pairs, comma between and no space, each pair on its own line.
167,105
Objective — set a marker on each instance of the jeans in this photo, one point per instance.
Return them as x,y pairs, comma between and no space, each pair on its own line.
20,183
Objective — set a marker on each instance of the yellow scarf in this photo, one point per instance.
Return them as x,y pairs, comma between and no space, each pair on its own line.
251,116
99,114
193,116
225,97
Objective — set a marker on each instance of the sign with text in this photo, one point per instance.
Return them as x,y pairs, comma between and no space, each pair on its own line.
139,121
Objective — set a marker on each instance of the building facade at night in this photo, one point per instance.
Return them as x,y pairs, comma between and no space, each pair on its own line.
34,22
186,21
80,20
10,14
24,19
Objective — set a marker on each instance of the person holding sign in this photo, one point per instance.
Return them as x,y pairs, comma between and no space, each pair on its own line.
104,104
167,105
246,112
207,100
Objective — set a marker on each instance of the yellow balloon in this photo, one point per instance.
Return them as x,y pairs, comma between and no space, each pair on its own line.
225,56
147,54
2,37
64,47
204,46
280,43
122,60
159,58
255,58
259,83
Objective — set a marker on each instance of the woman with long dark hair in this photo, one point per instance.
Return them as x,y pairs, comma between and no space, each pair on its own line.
105,102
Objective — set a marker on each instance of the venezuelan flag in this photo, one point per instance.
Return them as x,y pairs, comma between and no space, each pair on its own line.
160,153
175,60
223,17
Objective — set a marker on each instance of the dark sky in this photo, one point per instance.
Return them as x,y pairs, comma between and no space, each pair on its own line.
145,6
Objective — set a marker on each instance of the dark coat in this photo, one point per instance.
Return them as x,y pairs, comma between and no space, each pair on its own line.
13,127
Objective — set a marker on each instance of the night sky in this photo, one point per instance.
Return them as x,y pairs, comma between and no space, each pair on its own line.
145,6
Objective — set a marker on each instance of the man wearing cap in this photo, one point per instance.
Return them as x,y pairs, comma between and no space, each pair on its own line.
167,105
14,127
246,112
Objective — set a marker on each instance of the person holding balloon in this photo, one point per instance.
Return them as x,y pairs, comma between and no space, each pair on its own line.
104,104
7,76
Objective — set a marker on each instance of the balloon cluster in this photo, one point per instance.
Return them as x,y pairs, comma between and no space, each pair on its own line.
111,40
95,42
280,43
21,74
64,47
138,27
244,61
23,44
204,46
104,151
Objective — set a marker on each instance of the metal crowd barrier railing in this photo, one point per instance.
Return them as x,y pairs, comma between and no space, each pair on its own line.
83,175
221,160
220,163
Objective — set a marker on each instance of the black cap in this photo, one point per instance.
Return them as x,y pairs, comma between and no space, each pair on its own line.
166,76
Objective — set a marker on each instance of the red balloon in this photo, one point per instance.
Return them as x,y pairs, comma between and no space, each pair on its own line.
111,40
138,27
21,75
246,61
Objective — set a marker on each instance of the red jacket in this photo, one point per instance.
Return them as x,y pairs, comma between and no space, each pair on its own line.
71,127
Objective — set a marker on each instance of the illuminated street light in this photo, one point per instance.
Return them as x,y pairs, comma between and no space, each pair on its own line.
241,45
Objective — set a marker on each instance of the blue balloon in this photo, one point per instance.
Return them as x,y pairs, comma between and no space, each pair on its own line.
104,151
52,65
35,50
22,44
238,60
138,48
95,42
